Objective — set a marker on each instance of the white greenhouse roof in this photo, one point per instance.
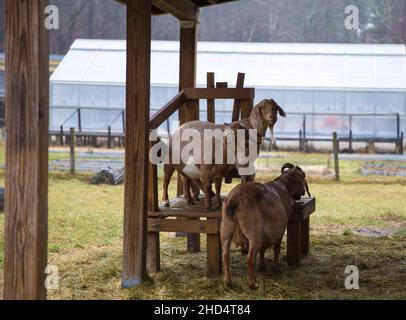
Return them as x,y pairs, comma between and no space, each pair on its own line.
267,65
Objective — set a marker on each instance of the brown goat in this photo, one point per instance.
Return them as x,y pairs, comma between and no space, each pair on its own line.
257,214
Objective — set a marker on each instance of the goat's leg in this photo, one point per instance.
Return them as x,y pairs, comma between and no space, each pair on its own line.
168,172
207,198
261,265
217,183
251,261
197,185
226,236
277,251
186,190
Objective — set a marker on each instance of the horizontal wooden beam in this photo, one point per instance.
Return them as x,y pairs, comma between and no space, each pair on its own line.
219,93
187,226
190,214
167,110
184,10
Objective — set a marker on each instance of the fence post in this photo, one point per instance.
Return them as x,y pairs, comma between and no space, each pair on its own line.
350,143
336,150
300,140
109,138
72,151
61,133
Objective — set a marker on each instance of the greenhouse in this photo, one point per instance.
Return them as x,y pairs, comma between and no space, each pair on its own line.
323,87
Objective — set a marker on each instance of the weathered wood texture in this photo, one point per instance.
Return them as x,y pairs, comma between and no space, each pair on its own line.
184,10
190,226
187,73
27,90
211,104
220,93
136,146
237,108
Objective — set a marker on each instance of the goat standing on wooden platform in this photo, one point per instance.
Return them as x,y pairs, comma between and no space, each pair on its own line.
263,116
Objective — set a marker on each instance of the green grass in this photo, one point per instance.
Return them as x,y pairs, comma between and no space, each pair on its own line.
85,242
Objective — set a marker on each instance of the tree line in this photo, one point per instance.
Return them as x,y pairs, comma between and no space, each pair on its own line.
381,21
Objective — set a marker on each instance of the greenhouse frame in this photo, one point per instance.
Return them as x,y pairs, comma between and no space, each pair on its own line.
322,87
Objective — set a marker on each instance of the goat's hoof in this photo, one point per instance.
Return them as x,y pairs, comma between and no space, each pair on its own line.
253,286
276,268
167,205
190,203
227,283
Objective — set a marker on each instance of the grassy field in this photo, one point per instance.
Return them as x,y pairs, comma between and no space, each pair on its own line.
85,243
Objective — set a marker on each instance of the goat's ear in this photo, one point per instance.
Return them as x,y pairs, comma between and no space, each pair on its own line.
281,112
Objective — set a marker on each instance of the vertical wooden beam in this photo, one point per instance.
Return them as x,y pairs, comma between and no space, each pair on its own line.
237,107
136,137
153,247
190,110
211,115
305,236
27,91
293,242
187,70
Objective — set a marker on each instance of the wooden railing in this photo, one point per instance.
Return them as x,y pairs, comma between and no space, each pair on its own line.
189,98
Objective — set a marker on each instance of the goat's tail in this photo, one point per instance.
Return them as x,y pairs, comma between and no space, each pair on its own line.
229,206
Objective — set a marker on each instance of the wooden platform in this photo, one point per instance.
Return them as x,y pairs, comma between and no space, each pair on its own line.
181,217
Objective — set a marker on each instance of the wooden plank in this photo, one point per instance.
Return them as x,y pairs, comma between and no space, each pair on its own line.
136,146
303,209
184,10
167,110
188,226
220,93
237,107
182,214
211,104
27,104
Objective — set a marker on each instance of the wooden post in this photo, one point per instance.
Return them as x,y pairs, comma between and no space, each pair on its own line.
61,135
189,111
237,107
336,150
27,104
211,115
109,137
72,150
136,147
153,248
304,236
293,242
187,69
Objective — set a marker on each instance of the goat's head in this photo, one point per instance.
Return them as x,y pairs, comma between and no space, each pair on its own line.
295,180
267,112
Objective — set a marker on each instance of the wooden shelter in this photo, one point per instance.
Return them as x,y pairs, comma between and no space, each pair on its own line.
27,91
